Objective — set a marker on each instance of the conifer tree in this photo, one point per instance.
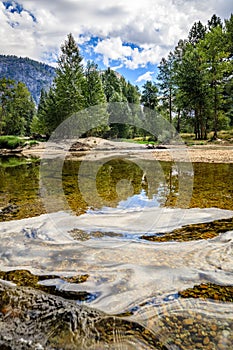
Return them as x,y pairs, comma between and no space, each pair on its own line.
196,33
149,97
94,96
94,92
16,108
166,85
69,83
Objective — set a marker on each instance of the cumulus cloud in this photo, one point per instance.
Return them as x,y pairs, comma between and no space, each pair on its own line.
113,49
145,77
153,26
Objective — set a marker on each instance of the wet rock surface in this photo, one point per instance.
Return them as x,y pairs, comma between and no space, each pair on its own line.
81,235
8,211
31,319
209,291
27,279
193,232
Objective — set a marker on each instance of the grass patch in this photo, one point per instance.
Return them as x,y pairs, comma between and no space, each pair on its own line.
223,135
33,143
140,140
11,142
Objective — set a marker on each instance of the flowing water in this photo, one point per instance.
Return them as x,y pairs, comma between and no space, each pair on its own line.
96,231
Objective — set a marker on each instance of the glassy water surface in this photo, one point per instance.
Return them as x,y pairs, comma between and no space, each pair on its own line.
137,280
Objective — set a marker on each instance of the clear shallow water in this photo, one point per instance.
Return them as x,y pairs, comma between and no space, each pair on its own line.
128,275
117,182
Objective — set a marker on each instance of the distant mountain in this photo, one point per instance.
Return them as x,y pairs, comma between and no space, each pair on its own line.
33,74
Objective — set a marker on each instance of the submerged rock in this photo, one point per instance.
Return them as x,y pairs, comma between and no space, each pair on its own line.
209,291
31,319
8,211
26,279
194,232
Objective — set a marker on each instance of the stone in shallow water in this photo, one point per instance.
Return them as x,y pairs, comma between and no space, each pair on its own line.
209,291
30,319
194,232
27,279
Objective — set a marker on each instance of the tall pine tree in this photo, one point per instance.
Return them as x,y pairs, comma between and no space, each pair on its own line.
69,84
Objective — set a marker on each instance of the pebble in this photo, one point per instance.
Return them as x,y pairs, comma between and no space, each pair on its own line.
225,333
188,322
206,340
214,327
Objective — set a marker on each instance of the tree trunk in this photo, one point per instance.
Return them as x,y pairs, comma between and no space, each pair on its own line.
178,122
215,112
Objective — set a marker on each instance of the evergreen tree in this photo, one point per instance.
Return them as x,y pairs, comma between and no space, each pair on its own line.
193,90
213,52
113,89
197,33
22,111
38,125
166,85
6,91
16,108
94,92
94,96
69,83
229,35
214,22
149,96
112,85
132,94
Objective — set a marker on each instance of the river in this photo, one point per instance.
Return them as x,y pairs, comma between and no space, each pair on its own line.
97,227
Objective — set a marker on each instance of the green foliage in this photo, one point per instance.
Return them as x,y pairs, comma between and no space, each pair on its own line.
196,80
117,90
194,89
94,96
214,22
16,108
112,86
11,142
229,34
197,33
94,92
66,96
149,97
69,82
166,85
214,53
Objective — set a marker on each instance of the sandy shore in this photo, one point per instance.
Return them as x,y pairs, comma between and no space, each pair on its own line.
97,148
205,154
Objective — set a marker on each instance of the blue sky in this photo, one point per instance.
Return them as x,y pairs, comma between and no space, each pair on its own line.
127,35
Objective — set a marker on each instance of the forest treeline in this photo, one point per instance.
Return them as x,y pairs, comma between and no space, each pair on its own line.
195,81
193,90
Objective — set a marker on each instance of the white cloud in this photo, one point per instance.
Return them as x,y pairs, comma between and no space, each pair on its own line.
113,49
155,26
117,67
145,77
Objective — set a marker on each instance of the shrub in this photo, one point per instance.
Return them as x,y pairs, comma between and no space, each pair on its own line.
11,142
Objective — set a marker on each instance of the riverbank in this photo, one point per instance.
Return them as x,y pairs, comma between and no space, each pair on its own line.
197,154
95,148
